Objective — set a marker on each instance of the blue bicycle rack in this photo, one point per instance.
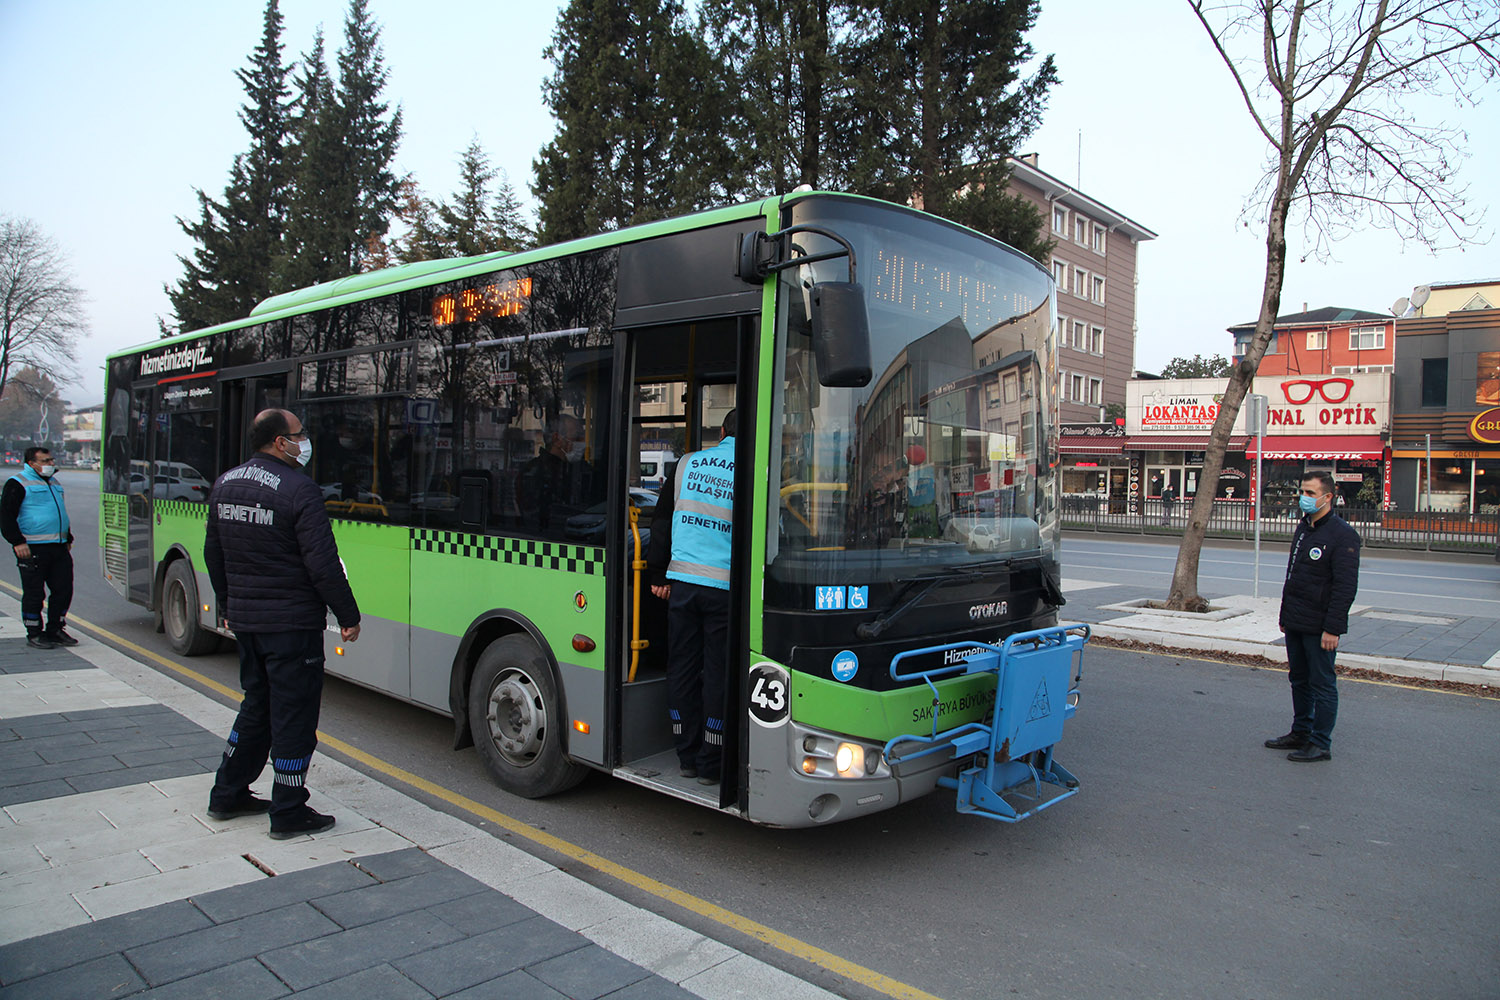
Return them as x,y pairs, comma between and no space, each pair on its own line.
1011,753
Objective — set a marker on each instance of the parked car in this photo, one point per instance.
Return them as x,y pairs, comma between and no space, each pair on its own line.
178,487
590,525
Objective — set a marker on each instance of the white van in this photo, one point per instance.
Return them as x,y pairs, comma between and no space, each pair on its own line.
653,469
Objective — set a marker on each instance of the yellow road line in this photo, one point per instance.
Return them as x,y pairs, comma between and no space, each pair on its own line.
728,918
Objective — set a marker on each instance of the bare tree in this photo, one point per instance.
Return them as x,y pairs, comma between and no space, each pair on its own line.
1336,88
41,310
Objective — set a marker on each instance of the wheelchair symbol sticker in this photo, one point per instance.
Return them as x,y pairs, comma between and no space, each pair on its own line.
845,666
859,598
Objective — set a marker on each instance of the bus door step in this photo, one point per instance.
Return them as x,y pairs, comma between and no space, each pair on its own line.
1008,756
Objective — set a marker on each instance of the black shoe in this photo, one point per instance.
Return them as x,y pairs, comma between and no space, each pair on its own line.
1291,741
1309,753
40,641
306,821
688,771
245,805
61,637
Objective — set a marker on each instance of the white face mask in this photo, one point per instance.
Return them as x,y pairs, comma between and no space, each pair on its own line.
576,451
48,471
305,455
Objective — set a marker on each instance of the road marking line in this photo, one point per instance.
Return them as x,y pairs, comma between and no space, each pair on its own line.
702,907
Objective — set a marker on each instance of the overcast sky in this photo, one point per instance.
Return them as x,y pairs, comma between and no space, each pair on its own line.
113,113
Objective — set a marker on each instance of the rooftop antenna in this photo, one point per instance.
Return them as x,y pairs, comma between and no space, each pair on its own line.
1078,175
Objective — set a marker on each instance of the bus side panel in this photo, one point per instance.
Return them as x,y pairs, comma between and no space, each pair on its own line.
377,560
456,577
114,545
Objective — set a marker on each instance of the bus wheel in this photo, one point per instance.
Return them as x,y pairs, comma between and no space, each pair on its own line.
516,717
179,613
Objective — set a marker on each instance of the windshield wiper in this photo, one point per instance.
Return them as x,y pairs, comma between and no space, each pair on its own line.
872,629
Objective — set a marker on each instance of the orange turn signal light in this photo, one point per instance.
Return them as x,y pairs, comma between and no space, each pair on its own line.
581,726
583,643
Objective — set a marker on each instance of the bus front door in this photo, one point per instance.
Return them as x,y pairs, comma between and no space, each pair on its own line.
141,562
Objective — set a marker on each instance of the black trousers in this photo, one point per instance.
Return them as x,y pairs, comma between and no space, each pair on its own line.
282,675
697,672
46,577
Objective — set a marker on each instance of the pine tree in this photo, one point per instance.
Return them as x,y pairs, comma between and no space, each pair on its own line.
238,237
473,222
344,144
937,105
783,56
638,103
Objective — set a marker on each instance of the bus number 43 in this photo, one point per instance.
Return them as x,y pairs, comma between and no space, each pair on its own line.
768,695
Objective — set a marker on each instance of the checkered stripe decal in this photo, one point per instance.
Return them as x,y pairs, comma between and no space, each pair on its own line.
181,508
516,551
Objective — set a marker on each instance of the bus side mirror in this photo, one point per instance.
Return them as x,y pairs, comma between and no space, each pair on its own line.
841,334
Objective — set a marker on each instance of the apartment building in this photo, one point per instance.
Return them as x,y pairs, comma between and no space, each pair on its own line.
1332,340
1094,263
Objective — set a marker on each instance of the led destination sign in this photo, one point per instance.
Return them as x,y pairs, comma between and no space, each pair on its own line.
504,298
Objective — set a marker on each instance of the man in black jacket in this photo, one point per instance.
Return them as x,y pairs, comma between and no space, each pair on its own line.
1322,576
275,568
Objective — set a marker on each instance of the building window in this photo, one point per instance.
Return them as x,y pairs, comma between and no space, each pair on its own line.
1434,381
1096,391
1487,379
1099,234
1096,340
1098,289
1077,388
1060,274
1080,230
1317,340
1367,338
1008,383
1059,219
1080,282
1078,335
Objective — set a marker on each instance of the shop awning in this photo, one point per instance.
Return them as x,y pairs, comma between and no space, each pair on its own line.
1180,442
1084,444
1331,446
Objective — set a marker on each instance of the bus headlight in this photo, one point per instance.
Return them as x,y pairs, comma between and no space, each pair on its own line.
827,757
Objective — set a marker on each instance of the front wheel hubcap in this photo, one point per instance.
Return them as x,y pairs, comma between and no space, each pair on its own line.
517,717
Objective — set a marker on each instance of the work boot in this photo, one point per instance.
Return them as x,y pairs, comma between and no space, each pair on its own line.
305,820
1310,753
60,637
245,805
1291,741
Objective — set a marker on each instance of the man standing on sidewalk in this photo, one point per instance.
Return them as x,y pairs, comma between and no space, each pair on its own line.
1322,576
275,568
689,561
34,519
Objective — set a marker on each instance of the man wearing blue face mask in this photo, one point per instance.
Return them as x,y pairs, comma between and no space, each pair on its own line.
1322,576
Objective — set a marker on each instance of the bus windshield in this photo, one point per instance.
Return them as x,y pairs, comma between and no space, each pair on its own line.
940,462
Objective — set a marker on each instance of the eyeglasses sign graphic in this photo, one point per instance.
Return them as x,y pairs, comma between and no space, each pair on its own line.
1333,390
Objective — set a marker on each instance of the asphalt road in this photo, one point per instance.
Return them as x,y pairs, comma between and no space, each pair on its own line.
1194,862
1388,578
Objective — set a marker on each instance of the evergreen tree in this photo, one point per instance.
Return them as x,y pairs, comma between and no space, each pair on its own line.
639,106
937,105
784,56
238,238
473,222
345,139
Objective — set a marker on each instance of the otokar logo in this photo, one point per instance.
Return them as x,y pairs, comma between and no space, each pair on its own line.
995,609
189,356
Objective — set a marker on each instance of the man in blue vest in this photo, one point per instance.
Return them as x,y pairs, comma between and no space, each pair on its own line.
34,519
689,563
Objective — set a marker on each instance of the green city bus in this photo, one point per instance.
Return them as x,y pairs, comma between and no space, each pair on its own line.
478,427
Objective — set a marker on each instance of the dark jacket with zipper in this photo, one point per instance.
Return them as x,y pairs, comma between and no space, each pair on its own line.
270,551
1322,576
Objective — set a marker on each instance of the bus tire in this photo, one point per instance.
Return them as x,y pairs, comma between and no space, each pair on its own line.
179,612
515,713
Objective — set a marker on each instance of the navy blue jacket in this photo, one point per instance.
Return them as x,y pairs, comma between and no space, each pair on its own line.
1322,576
270,551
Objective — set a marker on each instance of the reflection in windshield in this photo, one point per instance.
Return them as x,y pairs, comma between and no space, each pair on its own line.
940,459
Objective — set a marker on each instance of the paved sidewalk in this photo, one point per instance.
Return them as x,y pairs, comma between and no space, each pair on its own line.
1450,647
113,881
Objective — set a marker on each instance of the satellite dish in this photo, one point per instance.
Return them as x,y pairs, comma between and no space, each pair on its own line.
1400,306
1420,295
